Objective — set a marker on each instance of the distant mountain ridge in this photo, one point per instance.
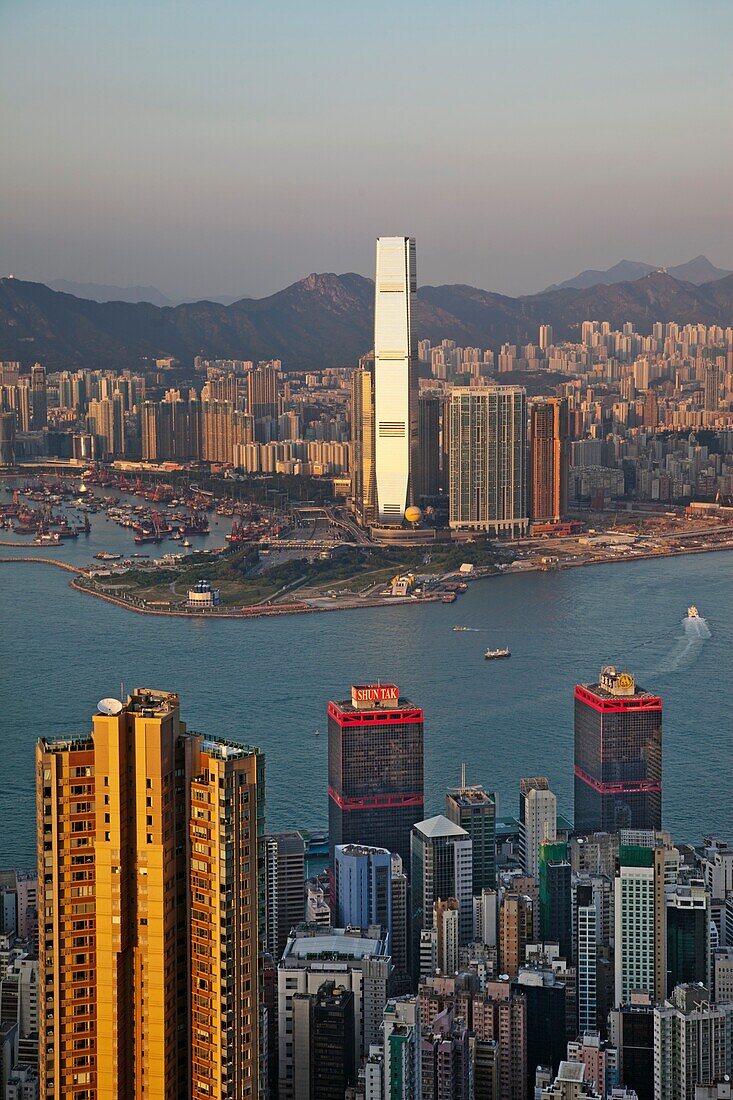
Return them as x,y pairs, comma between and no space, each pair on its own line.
698,271
326,320
100,292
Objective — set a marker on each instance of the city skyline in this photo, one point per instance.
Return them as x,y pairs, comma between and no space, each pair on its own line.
99,113
478,847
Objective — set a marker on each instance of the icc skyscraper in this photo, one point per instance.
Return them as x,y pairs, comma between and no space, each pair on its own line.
395,378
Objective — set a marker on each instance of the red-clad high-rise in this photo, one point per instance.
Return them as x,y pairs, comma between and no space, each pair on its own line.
375,769
618,755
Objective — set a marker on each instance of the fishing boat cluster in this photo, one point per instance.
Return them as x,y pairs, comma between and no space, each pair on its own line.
50,510
48,515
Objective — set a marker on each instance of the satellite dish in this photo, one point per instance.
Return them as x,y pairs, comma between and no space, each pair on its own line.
109,706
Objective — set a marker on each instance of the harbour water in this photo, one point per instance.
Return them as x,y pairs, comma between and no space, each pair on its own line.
267,681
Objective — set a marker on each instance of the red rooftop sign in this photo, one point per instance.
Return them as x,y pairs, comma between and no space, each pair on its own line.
380,695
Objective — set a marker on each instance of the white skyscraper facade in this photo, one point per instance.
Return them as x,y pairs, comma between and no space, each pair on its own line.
537,821
395,377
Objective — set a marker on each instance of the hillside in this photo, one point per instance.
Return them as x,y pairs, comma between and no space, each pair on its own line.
324,320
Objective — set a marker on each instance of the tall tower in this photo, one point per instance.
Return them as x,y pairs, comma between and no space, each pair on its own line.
151,903
285,888
441,868
363,476
363,886
639,924
39,400
548,460
516,920
488,460
263,398
395,378
537,821
474,809
7,438
545,337
711,390
440,865
618,755
375,769
429,412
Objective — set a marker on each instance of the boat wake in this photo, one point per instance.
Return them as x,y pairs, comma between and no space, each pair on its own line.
689,644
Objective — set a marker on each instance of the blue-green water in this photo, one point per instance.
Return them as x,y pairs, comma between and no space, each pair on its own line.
267,682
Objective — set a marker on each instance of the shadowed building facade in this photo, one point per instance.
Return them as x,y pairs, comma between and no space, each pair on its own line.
548,460
618,755
375,769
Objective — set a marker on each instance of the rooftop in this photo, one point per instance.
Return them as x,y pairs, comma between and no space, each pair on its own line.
616,684
468,798
439,826
82,743
225,750
152,703
571,1071
320,944
360,850
348,706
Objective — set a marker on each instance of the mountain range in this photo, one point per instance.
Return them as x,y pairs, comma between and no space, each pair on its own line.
697,271
326,320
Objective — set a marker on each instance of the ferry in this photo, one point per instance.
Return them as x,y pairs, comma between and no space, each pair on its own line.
461,627
496,654
692,612
104,555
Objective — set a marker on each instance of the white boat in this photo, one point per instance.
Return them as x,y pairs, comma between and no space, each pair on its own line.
186,543
496,654
692,612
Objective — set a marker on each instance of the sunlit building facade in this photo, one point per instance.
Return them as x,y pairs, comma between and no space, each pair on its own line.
395,378
488,460
150,854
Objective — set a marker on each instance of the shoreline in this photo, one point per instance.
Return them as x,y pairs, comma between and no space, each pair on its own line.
277,610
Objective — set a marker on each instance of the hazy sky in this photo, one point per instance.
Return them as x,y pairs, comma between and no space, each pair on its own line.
233,146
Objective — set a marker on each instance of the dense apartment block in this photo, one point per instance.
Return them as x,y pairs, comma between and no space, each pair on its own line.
150,854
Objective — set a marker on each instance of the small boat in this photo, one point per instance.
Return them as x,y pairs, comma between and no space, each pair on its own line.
104,555
461,627
450,597
496,654
186,543
692,612
316,733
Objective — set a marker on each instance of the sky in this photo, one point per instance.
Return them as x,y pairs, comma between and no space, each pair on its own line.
234,146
